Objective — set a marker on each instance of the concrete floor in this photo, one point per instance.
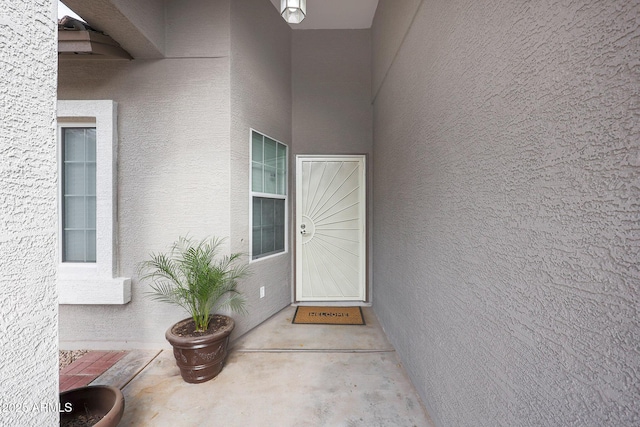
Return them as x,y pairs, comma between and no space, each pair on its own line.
280,374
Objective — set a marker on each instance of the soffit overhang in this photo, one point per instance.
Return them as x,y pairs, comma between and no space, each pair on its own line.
77,40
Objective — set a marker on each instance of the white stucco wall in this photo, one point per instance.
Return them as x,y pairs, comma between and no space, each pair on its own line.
507,178
28,301
260,99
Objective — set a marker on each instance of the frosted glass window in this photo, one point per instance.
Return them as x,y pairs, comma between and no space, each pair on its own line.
79,194
269,195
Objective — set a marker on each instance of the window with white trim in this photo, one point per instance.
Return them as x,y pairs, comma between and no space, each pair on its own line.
78,192
268,196
87,149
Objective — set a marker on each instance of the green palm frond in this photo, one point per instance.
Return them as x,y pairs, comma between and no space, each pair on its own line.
192,276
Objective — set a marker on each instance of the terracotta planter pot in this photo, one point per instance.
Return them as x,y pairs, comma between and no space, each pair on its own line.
92,401
200,358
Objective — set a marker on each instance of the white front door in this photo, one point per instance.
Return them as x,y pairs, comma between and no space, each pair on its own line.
330,228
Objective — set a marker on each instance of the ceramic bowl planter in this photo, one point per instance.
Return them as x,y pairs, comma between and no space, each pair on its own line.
192,276
99,406
200,358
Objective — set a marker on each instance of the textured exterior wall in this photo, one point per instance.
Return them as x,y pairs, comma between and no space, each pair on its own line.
331,80
147,16
173,174
390,25
183,154
189,36
507,180
260,99
331,89
28,301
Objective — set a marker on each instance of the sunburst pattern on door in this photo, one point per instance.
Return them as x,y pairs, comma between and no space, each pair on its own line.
331,230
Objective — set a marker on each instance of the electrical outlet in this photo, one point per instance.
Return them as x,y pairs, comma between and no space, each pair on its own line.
261,291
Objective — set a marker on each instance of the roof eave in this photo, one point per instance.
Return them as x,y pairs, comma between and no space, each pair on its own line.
87,44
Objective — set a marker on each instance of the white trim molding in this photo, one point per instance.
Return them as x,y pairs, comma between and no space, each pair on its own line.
96,283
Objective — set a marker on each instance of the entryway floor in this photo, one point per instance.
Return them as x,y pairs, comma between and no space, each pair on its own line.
279,374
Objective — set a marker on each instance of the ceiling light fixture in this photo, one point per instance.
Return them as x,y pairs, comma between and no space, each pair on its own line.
293,11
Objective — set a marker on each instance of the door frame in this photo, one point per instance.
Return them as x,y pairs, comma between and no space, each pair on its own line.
364,210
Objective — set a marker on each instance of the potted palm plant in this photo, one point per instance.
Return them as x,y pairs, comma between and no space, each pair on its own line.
193,276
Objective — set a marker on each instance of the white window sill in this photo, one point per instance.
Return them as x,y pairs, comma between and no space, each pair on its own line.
84,286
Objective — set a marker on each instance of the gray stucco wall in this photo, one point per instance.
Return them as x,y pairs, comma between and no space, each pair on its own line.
28,297
390,25
183,154
173,169
506,188
260,99
331,84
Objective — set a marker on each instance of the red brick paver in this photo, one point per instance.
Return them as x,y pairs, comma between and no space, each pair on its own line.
87,368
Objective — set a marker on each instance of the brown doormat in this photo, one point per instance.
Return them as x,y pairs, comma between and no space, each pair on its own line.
329,315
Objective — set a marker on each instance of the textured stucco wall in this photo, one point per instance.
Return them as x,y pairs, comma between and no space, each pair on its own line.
331,86
173,175
28,297
260,99
148,16
183,154
507,180
331,89
389,28
189,36
173,172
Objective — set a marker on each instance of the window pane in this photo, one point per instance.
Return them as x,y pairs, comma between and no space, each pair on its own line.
279,236
281,178
74,212
267,212
90,172
91,246
282,157
74,246
279,212
257,241
256,147
257,212
268,240
256,177
268,226
90,135
74,144
270,180
270,152
74,179
91,212
282,182
279,225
